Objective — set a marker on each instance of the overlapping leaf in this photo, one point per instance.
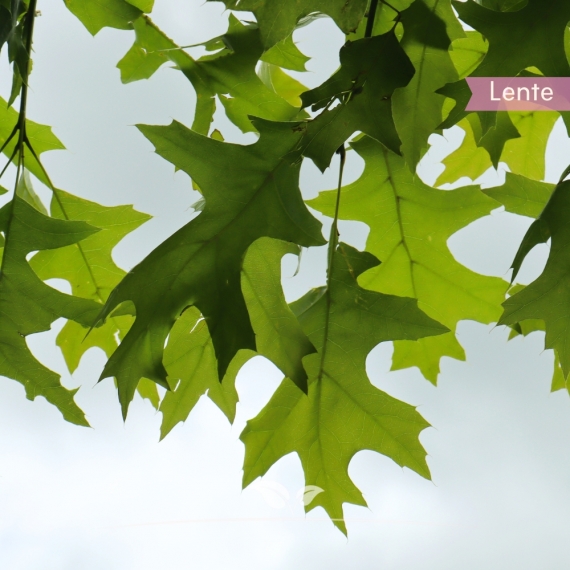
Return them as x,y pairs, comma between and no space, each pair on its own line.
547,297
343,412
41,137
278,18
191,363
410,224
190,357
524,155
371,69
530,37
90,270
429,28
250,192
228,74
30,306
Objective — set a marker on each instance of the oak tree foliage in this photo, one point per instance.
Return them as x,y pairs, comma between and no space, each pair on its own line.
209,298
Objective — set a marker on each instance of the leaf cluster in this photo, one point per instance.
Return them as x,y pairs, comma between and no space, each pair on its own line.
210,297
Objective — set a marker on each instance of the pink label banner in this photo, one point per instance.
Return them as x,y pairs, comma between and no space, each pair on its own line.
519,93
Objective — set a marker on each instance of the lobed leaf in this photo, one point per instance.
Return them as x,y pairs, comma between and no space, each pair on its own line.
371,69
30,306
250,192
278,18
429,28
410,224
229,74
343,412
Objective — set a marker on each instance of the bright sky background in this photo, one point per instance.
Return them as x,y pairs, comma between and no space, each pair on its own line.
113,497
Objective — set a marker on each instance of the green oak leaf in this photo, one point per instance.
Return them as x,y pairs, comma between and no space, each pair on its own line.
410,225
250,192
546,298
343,412
190,360
279,336
286,54
14,29
41,138
89,268
530,37
282,84
371,69
429,28
142,5
524,155
522,196
468,52
98,14
30,306
527,197
278,18
497,136
229,74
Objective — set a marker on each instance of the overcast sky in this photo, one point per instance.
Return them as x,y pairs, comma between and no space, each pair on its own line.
113,497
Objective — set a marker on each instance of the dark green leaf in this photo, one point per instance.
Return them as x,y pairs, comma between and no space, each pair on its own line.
546,298
250,192
371,69
530,37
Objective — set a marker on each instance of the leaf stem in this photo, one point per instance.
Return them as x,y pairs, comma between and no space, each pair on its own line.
370,18
333,243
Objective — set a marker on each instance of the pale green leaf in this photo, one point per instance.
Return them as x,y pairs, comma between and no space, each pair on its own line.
410,225
98,14
343,412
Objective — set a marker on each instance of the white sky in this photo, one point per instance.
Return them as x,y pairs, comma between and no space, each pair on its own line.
112,497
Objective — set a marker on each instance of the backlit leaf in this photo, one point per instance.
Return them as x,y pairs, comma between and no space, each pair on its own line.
410,224
343,412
